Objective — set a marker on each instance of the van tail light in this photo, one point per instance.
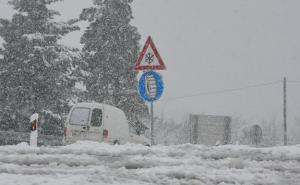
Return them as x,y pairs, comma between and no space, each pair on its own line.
105,133
65,131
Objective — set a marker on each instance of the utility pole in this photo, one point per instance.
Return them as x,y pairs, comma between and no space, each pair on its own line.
284,112
190,128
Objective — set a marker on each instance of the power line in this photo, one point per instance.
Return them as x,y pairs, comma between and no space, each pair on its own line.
293,81
224,90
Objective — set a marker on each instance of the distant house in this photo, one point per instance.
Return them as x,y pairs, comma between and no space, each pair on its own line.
210,129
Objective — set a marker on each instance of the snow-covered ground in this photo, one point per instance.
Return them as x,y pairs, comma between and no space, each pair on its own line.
88,163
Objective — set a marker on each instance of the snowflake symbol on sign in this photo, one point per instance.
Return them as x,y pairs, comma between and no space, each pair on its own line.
149,58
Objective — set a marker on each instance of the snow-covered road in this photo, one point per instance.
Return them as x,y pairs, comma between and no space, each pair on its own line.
89,163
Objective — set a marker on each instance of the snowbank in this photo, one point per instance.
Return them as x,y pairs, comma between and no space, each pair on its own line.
99,163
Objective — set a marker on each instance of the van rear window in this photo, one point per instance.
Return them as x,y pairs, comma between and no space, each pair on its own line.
80,116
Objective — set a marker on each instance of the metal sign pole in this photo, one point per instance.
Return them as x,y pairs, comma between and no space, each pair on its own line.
150,84
152,123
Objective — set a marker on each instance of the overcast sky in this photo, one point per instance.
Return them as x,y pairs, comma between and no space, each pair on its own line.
216,45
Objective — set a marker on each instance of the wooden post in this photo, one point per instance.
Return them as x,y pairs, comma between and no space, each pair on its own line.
190,128
284,112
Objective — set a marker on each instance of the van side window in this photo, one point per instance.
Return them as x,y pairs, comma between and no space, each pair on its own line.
96,120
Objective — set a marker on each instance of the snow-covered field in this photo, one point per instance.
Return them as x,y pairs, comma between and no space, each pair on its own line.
87,163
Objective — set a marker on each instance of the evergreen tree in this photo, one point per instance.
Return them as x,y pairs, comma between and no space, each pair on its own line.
111,47
37,74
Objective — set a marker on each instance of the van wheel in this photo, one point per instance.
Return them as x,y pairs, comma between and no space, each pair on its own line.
116,142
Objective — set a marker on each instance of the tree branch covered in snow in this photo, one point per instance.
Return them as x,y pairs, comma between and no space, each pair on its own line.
110,46
37,72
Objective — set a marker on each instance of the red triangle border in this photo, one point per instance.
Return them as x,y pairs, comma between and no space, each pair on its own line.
161,65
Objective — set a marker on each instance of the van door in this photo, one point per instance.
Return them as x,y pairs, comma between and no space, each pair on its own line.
78,123
96,125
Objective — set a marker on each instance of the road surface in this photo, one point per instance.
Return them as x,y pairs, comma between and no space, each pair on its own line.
90,163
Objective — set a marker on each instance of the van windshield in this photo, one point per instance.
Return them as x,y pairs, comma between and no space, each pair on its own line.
80,116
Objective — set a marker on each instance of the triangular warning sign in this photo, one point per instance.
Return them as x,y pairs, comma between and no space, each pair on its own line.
149,58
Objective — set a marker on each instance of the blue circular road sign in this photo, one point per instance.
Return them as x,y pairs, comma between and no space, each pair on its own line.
151,86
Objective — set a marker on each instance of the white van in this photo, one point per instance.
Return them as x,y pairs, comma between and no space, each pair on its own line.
98,122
